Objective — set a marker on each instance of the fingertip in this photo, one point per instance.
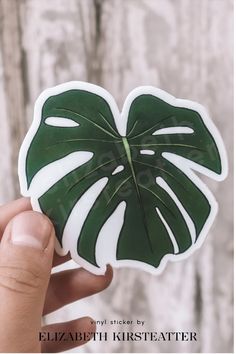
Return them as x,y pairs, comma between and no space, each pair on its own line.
34,217
90,283
25,203
87,323
90,323
101,282
11,209
20,204
89,327
30,229
108,275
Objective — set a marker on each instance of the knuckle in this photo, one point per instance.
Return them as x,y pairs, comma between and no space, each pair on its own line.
19,280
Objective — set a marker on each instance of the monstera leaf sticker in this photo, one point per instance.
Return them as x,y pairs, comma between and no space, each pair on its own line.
121,188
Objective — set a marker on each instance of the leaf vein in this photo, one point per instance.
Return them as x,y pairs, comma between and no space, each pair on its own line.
95,169
153,127
117,189
89,120
157,196
108,124
180,145
161,169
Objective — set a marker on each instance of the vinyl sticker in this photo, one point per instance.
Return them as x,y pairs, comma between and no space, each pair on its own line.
121,188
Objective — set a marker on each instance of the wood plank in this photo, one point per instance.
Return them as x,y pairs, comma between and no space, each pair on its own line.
182,46
12,58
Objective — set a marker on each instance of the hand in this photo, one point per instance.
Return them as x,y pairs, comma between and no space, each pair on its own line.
27,291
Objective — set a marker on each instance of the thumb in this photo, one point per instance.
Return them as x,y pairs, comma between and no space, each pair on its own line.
26,253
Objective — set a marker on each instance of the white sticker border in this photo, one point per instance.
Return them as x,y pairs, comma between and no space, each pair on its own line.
120,119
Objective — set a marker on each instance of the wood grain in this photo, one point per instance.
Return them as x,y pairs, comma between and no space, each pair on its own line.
182,46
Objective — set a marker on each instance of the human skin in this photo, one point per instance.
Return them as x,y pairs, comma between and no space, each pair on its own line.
28,290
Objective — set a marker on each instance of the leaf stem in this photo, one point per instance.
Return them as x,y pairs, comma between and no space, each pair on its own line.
128,153
129,158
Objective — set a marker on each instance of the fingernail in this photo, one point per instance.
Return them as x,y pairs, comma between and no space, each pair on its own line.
31,229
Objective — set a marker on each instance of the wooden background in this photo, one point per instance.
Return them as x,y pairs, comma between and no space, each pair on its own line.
182,46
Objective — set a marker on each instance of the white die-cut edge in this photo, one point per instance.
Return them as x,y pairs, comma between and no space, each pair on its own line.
188,167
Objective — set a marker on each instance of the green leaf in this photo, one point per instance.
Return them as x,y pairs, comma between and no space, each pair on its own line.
146,175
